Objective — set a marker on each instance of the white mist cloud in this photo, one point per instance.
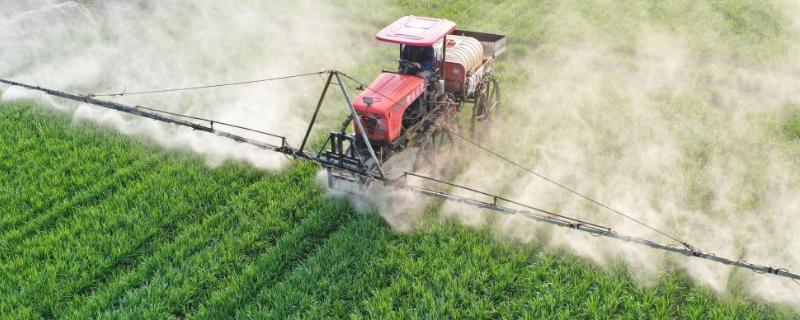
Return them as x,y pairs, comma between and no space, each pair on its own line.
682,141
685,139
139,45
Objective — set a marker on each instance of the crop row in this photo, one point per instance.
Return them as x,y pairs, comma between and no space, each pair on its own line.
64,209
61,165
330,283
262,215
42,187
271,267
66,161
97,240
187,241
190,241
100,259
451,271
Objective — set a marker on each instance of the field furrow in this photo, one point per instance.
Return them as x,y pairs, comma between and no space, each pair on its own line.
62,209
190,241
262,215
679,112
272,266
59,169
28,134
318,213
33,139
26,189
50,267
330,283
13,130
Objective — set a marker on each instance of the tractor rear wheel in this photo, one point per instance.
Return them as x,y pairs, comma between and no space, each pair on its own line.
487,102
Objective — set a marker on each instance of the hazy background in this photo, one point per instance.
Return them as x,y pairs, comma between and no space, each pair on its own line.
675,113
114,46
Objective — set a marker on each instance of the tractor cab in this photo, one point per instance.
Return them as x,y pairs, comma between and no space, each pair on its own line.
417,37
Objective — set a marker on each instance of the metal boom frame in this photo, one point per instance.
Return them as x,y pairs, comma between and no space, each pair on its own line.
401,183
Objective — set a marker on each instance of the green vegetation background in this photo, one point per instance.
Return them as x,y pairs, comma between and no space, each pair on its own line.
94,224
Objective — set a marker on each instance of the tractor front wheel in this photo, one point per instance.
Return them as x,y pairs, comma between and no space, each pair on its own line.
435,147
438,141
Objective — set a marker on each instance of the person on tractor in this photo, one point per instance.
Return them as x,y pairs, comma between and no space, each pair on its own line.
419,61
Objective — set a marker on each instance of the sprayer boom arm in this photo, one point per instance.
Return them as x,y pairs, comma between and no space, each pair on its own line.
138,111
401,183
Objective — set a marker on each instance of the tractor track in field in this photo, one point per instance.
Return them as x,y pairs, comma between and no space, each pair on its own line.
270,266
330,278
76,197
37,167
162,229
163,233
64,210
145,177
325,261
192,302
47,162
255,235
184,245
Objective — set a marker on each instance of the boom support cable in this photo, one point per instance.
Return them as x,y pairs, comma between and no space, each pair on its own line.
562,186
165,116
571,190
226,84
552,218
210,121
496,199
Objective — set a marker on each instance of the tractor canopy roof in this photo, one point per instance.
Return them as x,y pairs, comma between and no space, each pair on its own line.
416,31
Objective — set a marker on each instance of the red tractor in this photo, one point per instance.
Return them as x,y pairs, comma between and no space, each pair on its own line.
419,106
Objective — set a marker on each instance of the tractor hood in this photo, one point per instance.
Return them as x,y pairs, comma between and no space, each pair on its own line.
390,92
384,101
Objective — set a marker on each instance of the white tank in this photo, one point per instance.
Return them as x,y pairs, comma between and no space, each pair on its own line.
466,51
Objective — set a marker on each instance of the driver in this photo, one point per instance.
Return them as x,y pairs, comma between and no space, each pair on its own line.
420,61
